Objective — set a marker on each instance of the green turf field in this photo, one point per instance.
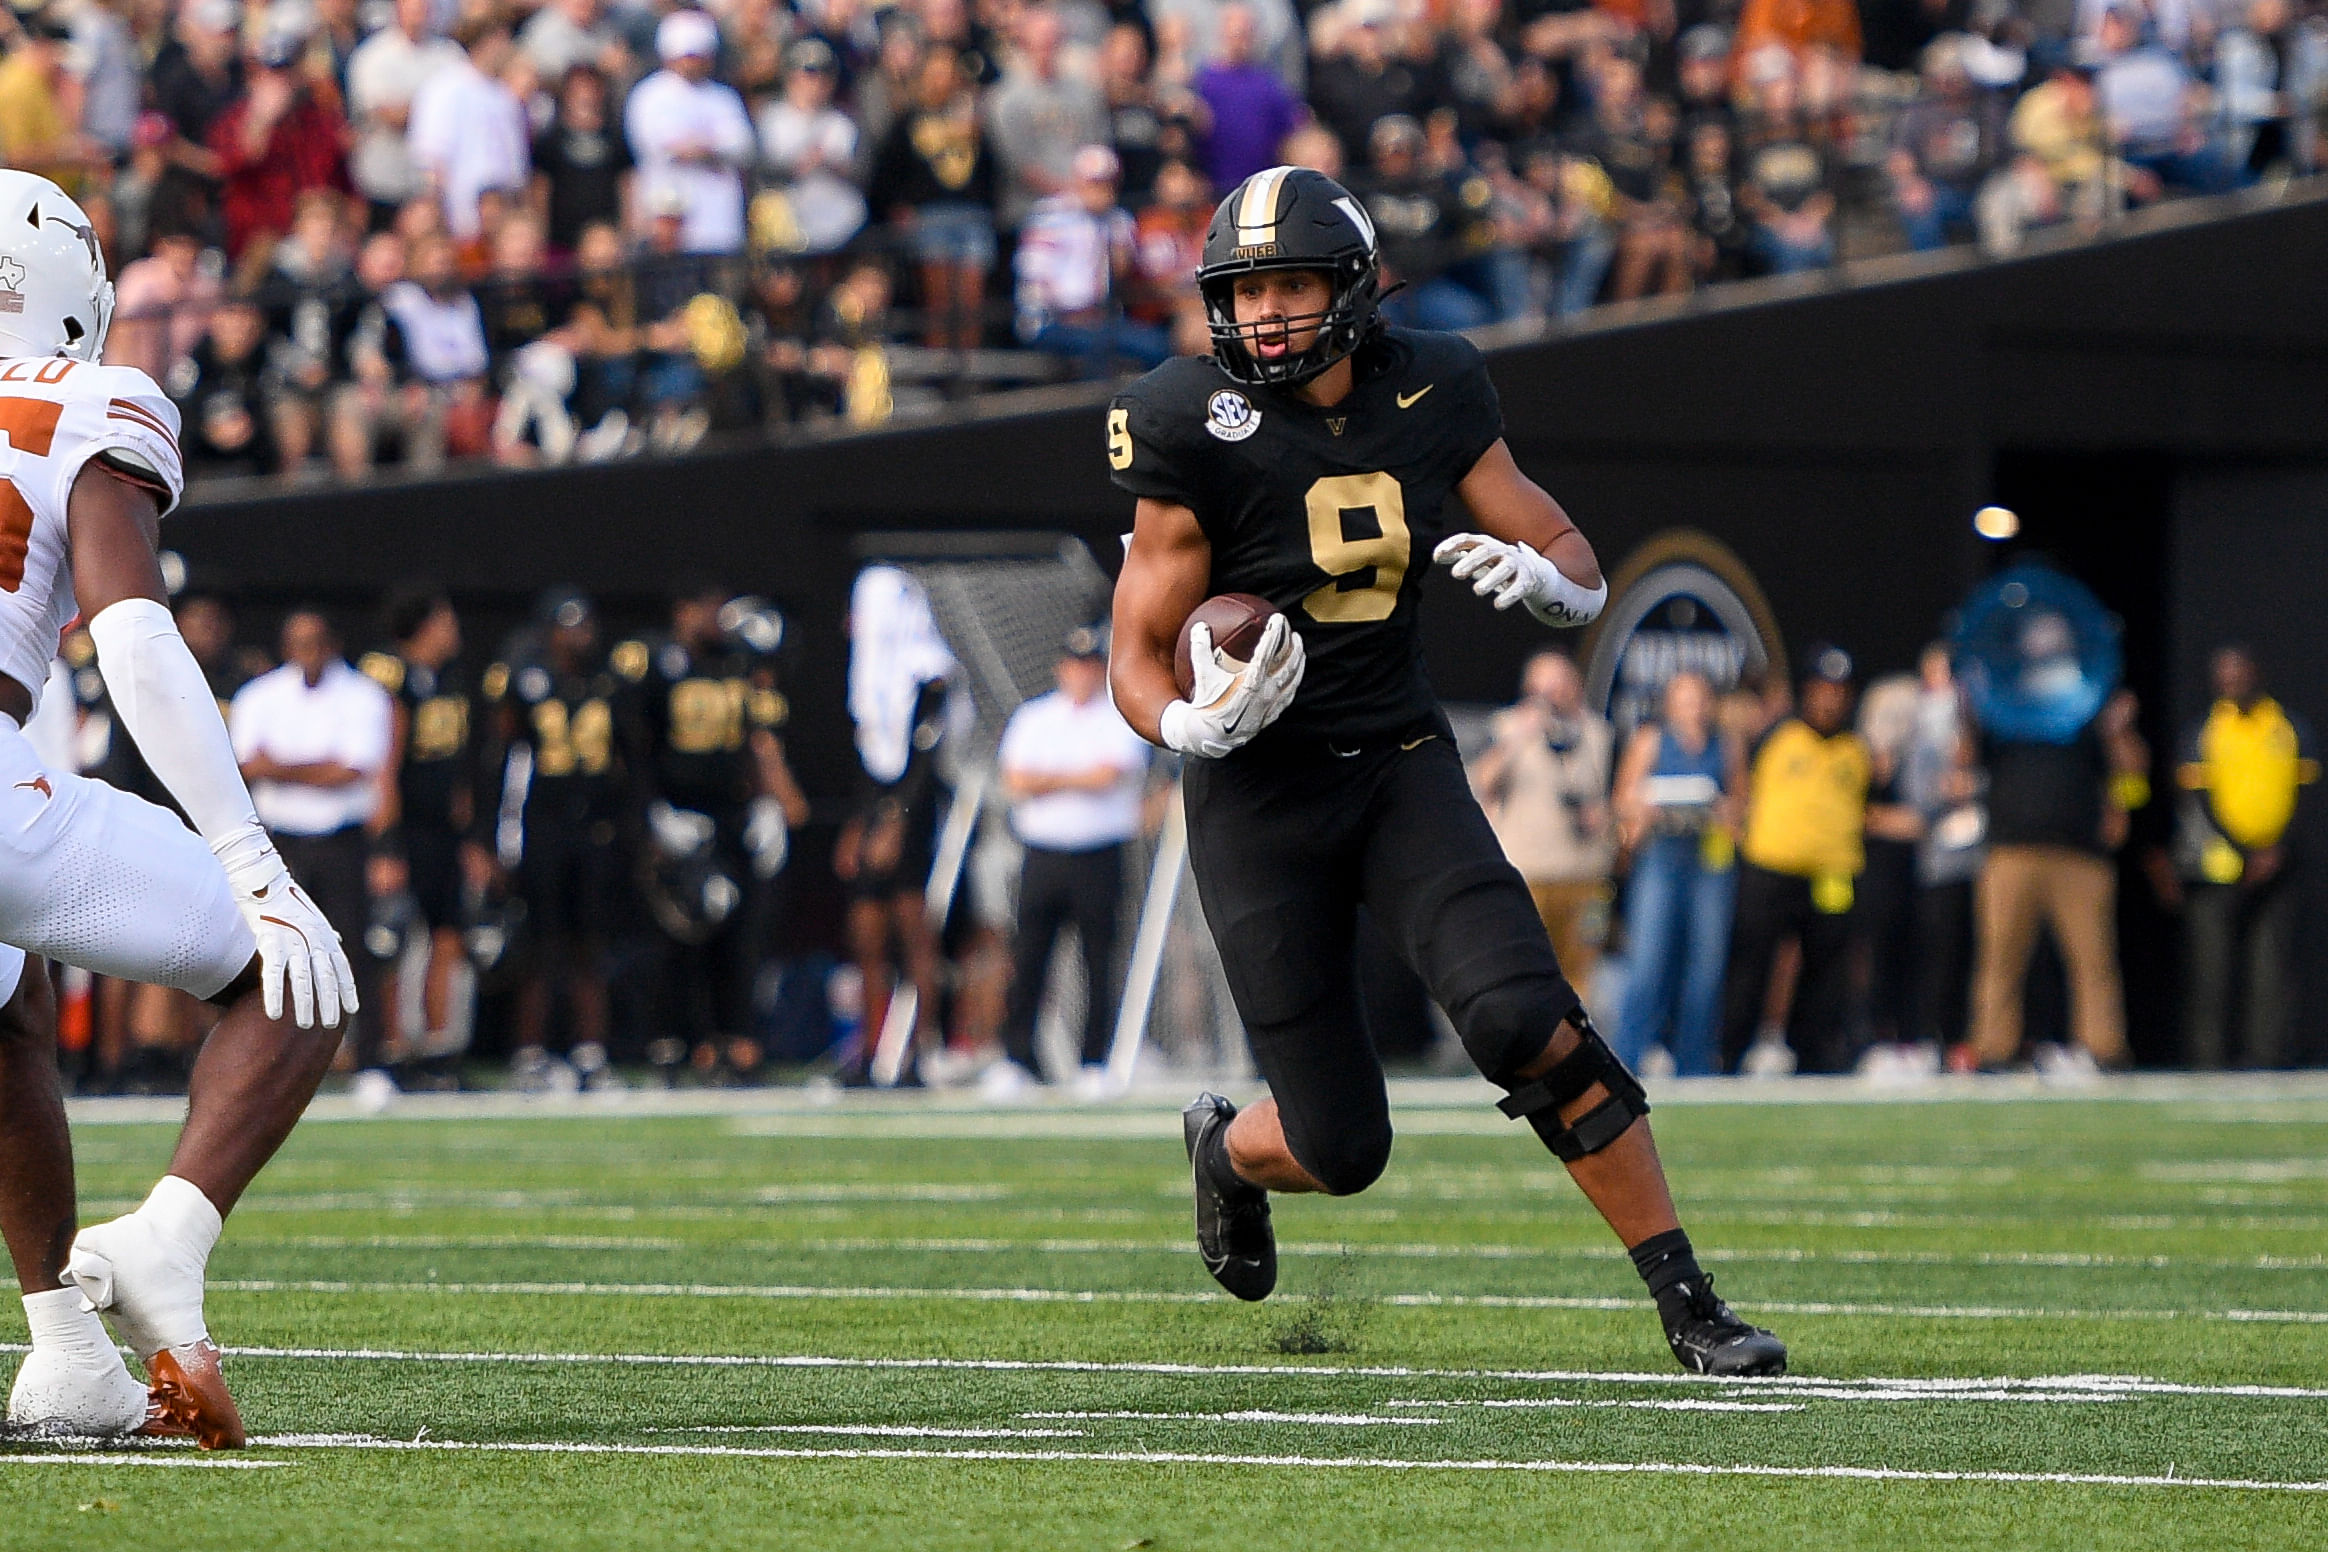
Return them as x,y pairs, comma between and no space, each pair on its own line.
2017,1322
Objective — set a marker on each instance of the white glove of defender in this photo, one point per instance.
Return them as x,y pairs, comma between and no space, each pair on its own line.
1516,574
767,837
1228,706
297,946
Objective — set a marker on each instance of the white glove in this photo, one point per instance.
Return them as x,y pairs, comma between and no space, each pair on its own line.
1230,705
767,837
678,832
296,944
1516,574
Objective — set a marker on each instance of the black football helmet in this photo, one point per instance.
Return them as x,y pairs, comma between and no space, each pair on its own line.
1290,218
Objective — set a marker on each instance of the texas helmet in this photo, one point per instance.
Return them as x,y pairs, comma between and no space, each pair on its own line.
1290,218
54,297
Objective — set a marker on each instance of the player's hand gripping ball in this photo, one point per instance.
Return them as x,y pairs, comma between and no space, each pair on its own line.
1238,666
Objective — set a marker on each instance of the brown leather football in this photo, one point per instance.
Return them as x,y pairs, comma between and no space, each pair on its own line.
1236,621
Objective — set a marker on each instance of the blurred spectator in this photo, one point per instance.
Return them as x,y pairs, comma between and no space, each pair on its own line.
1945,144
1815,41
1946,790
1884,914
274,143
1679,799
385,74
1433,228
1251,108
39,104
1806,808
2151,105
934,178
1144,125
1073,260
314,297
197,72
1630,138
227,426
900,679
1170,238
314,739
1544,782
886,93
2243,770
2054,823
1038,118
1787,194
691,135
468,131
565,35
106,61
161,306
1359,84
676,293
809,146
1717,214
582,162
419,355
1072,770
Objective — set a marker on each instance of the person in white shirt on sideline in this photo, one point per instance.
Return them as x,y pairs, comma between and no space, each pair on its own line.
691,135
1073,770
385,73
313,738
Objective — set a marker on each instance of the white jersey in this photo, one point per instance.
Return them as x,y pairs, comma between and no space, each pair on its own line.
57,414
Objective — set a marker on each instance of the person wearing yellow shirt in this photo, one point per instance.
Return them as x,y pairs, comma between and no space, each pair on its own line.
2243,770
40,107
1806,817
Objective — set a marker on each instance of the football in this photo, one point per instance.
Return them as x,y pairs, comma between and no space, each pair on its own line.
1236,621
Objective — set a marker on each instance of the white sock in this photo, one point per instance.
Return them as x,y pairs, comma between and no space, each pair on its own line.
63,1322
180,1210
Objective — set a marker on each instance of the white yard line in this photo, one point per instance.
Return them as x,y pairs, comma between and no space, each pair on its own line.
1557,1403
888,1430
1392,1250
1301,1462
1311,1419
1511,1301
2105,1384
120,1458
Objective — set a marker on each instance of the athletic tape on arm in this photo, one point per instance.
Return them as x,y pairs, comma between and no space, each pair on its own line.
160,694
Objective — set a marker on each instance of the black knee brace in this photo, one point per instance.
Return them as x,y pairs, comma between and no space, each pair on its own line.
1539,1099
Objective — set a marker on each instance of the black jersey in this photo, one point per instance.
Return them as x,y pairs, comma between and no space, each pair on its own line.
437,782
1330,514
693,718
566,722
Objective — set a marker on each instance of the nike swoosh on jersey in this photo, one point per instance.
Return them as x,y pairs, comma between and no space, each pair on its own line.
1406,401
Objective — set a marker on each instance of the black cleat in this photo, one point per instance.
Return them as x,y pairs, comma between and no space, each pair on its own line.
1232,1225
1708,1339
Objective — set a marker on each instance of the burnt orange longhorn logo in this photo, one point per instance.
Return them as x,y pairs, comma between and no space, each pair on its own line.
39,784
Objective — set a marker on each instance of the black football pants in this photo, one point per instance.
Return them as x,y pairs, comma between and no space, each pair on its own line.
1287,841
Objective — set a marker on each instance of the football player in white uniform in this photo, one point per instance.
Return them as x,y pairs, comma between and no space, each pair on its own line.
95,877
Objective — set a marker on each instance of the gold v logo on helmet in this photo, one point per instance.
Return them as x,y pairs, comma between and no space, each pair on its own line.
1257,208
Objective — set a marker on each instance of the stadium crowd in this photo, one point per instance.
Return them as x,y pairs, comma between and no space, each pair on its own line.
349,231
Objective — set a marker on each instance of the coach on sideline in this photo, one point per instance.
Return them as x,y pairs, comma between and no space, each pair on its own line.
1072,768
313,738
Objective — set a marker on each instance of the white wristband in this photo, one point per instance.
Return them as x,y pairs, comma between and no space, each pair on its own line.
1172,724
1570,603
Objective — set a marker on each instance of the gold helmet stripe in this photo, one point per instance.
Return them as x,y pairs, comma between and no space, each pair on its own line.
1257,209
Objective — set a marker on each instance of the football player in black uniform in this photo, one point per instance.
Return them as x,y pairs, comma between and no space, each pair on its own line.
720,803
561,779
1312,460
430,841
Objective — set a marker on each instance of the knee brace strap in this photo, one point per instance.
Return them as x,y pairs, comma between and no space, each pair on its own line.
1540,1100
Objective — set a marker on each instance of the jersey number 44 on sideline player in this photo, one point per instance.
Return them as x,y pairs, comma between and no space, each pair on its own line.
1310,460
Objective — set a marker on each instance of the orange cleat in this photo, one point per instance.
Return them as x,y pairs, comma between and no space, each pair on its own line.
189,1398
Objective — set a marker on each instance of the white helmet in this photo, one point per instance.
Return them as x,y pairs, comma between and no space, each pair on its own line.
54,297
